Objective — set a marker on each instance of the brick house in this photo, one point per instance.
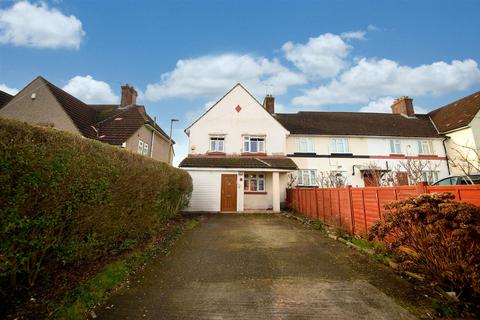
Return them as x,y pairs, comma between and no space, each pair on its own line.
126,125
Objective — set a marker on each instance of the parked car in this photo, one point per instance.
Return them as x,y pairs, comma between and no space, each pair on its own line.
458,180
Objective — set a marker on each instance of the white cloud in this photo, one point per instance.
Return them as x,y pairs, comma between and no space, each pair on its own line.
323,56
208,76
373,78
359,35
39,26
372,27
7,89
90,90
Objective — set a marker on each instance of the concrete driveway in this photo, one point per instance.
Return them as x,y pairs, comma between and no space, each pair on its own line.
263,267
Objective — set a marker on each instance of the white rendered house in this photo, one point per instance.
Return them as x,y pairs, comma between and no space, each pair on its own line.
237,156
351,145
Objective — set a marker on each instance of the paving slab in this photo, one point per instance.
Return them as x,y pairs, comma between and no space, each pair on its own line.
263,267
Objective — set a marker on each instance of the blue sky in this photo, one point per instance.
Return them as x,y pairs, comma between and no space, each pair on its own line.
183,55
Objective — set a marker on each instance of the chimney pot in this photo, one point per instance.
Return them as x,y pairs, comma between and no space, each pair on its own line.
403,105
129,96
269,103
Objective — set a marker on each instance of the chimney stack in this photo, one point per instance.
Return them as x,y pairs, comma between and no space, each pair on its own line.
129,96
403,105
269,103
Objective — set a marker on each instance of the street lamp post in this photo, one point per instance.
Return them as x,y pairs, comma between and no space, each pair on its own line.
170,138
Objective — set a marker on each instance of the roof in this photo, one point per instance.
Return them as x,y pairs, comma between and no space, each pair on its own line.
82,115
456,114
4,98
239,162
102,117
122,125
357,123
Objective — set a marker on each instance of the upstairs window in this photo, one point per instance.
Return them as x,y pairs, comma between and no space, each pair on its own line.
307,178
142,147
425,147
339,145
217,144
254,183
254,144
305,145
395,147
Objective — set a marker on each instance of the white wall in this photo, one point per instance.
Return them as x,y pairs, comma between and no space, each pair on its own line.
223,119
364,146
371,146
461,147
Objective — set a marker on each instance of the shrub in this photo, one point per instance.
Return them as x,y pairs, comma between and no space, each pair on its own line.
67,201
436,237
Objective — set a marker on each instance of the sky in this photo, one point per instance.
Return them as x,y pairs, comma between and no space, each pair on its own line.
182,56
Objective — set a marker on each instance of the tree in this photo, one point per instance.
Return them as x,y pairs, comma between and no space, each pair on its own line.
331,179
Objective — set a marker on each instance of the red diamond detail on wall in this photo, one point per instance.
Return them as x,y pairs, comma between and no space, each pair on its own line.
238,108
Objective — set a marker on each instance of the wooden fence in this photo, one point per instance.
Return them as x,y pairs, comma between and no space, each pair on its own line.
355,209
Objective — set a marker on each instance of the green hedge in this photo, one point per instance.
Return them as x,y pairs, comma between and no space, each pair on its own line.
67,201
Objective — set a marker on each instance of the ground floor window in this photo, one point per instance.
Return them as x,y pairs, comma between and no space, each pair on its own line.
254,182
307,177
430,176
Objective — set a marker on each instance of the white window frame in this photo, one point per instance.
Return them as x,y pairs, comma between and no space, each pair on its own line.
311,180
140,146
247,144
395,146
216,142
259,182
425,147
430,176
145,149
336,142
305,145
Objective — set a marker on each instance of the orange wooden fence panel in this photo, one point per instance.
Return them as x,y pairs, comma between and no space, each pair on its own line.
355,210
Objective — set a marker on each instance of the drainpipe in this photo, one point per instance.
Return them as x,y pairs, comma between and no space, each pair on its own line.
153,137
446,154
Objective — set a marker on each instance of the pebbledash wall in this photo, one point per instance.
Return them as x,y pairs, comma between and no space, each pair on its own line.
356,209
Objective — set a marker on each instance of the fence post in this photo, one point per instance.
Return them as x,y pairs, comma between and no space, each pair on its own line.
352,215
421,187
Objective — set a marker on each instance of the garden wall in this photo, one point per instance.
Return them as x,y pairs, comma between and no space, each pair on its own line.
356,209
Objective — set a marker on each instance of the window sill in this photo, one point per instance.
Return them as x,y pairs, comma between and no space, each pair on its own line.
427,155
254,192
253,154
216,153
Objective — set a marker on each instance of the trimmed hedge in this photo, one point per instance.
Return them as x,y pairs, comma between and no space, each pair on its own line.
67,201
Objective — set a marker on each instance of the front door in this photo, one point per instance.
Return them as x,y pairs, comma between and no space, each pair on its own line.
228,200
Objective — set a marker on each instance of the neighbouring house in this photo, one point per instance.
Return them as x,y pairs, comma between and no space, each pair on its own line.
242,155
126,125
365,149
459,122
4,98
237,156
